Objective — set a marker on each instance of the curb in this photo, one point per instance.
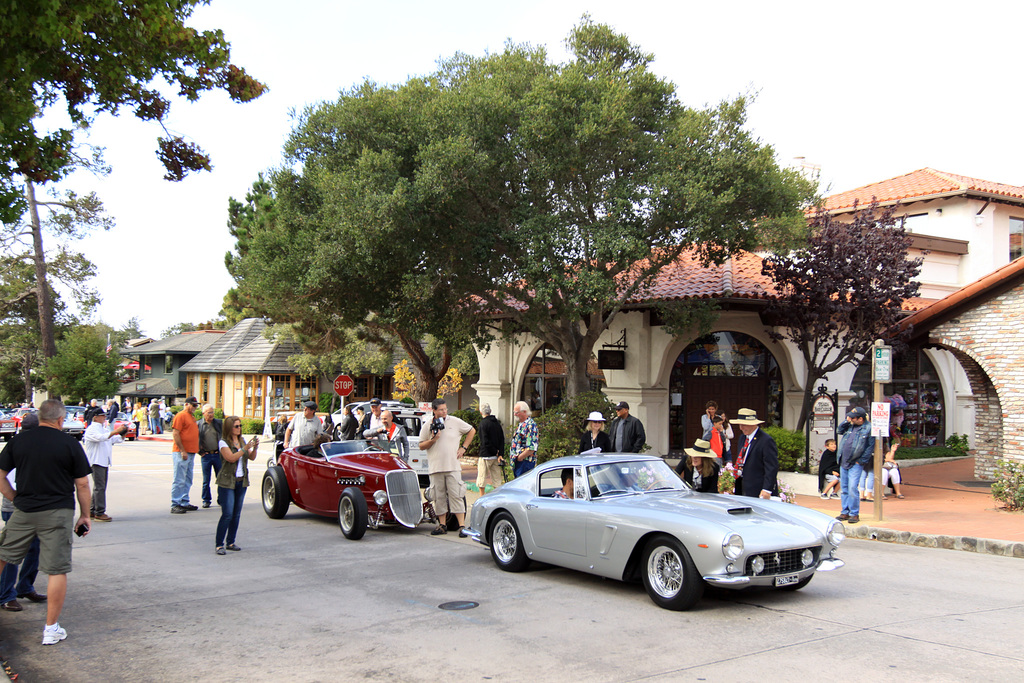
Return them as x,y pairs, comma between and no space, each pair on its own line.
967,543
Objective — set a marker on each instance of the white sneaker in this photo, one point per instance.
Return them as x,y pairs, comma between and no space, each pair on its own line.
824,496
53,634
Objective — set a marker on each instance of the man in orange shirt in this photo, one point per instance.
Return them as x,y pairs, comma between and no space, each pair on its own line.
185,431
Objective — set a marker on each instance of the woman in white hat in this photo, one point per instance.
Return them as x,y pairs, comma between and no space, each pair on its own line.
595,436
699,469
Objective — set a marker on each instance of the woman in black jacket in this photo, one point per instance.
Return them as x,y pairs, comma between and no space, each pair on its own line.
595,436
699,469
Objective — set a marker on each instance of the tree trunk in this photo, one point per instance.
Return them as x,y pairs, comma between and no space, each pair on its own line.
428,377
576,350
42,286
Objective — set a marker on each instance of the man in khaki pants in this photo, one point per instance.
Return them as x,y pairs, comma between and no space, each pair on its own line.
441,438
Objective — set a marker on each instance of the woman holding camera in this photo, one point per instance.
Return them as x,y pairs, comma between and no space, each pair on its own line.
232,480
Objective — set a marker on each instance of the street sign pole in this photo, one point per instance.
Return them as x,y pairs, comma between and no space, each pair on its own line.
881,373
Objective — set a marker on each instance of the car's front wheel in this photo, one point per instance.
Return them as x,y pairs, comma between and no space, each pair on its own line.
507,544
276,496
352,513
670,577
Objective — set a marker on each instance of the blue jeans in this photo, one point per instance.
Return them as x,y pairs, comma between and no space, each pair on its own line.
211,461
849,478
182,478
29,568
867,480
230,501
522,466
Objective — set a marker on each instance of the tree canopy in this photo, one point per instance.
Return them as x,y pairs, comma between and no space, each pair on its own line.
99,56
509,188
82,370
843,290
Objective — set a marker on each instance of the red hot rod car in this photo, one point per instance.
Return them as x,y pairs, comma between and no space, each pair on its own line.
352,480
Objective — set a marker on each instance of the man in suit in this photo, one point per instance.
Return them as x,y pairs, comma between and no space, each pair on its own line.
758,459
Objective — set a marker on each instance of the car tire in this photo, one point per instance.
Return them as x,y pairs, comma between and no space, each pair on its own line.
352,514
276,495
798,585
507,544
669,575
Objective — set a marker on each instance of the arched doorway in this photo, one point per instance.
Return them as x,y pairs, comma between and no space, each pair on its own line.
731,368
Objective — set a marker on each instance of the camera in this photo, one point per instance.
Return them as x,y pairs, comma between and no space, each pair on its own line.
436,425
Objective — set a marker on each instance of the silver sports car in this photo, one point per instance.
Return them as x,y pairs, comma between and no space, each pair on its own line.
630,517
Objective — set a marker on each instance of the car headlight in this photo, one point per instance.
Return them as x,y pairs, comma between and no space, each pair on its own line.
757,564
380,497
807,557
836,532
732,546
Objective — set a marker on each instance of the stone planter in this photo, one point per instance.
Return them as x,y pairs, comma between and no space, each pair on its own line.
802,484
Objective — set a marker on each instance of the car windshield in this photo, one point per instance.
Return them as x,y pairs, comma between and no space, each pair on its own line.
343,447
617,478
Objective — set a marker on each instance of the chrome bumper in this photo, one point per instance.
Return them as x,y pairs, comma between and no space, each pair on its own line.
830,564
727,580
474,535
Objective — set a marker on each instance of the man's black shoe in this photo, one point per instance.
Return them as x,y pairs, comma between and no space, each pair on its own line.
33,596
206,503
853,519
190,508
178,510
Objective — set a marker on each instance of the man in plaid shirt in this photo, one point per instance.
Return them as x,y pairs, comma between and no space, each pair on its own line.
523,452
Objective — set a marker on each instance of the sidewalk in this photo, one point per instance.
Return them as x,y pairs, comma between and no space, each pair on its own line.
937,512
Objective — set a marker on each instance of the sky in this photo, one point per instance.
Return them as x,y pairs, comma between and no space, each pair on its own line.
867,91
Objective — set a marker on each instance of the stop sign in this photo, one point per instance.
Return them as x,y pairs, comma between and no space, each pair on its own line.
343,385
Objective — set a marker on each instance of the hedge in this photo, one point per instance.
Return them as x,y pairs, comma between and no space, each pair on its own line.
562,426
252,425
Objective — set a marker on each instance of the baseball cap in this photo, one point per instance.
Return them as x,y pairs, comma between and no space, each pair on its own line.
622,406
858,412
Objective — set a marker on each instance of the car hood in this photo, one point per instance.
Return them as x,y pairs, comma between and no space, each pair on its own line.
755,520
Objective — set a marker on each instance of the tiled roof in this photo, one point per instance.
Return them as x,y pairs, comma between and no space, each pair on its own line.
187,342
153,387
739,277
233,341
925,182
244,349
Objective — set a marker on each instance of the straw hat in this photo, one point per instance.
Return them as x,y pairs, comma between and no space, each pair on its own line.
701,449
746,416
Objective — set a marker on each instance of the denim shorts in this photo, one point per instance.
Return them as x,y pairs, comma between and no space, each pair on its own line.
54,528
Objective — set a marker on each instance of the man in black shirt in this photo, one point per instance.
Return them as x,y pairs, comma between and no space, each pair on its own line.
52,470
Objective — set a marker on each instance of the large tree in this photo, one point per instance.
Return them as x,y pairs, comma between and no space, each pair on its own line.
842,291
96,56
511,188
82,369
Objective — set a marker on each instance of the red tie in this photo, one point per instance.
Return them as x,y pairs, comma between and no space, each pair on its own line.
743,455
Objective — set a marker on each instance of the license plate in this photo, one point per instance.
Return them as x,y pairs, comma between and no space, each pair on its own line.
786,580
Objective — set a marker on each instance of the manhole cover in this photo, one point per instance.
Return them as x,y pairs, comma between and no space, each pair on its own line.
458,605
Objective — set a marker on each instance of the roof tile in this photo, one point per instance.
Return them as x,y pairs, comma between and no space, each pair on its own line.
920,183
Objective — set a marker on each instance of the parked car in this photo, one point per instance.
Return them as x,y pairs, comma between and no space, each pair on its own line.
126,420
632,518
410,418
18,414
354,481
8,426
73,424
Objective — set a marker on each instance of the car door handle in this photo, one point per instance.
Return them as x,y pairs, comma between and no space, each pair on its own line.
531,506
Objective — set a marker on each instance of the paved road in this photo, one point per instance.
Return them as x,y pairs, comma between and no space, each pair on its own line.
150,601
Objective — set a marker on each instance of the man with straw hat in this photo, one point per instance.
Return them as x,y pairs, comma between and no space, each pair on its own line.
757,464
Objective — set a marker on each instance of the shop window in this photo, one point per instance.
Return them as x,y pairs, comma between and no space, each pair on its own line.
220,392
1016,238
915,394
544,384
252,396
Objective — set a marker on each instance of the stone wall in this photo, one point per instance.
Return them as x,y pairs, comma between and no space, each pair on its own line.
988,340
